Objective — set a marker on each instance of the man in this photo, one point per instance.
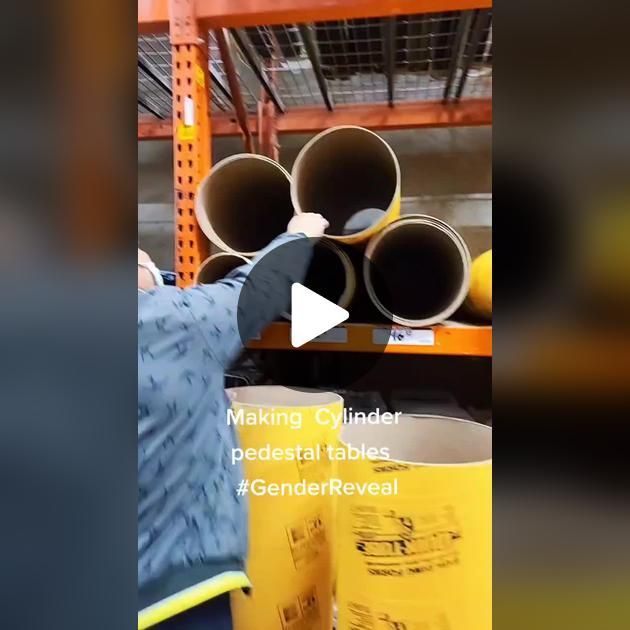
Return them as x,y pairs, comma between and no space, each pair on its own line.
192,526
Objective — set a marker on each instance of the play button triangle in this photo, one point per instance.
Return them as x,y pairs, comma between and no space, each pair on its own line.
312,315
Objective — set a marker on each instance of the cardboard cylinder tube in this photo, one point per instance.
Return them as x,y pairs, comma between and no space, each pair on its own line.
417,270
479,300
291,560
244,203
348,174
421,558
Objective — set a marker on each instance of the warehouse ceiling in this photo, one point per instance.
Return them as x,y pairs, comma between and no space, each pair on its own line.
372,60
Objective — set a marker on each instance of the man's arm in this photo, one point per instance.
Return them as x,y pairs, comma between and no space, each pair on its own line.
216,306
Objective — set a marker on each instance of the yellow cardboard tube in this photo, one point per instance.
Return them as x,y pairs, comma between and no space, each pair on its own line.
351,176
479,299
420,560
290,560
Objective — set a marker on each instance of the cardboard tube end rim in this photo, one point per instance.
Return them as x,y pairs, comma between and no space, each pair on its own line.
279,396
425,440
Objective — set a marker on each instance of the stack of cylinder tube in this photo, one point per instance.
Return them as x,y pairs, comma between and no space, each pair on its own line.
412,270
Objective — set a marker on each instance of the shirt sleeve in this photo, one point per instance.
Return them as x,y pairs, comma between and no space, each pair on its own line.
225,325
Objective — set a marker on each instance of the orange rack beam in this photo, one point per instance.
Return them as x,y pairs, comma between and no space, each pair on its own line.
466,113
153,15
446,339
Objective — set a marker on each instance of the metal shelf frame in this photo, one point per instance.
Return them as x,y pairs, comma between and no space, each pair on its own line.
446,339
467,113
154,16
257,69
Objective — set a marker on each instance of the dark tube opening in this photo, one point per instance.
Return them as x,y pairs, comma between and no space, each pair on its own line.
345,173
248,203
416,271
327,274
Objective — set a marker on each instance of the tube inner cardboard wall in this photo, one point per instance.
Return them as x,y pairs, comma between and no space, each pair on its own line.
244,203
274,396
417,270
426,440
344,172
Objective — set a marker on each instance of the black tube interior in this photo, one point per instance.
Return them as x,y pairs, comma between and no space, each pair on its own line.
361,309
416,271
344,173
249,203
326,274
218,268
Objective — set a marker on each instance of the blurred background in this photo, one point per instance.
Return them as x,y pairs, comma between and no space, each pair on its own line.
68,195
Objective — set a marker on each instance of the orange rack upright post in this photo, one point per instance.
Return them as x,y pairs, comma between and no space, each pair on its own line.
191,133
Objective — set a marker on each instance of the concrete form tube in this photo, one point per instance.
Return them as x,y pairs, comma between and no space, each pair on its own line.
244,203
417,271
348,174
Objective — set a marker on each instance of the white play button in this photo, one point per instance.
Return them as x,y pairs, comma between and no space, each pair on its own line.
312,315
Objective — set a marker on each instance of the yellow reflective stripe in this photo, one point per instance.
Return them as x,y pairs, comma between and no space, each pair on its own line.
191,596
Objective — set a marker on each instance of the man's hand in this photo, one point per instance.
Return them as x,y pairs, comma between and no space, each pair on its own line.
309,223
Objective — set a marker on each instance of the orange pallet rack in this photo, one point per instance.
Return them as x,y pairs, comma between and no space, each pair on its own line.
193,123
